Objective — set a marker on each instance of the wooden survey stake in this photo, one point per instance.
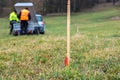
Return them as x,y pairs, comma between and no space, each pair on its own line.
67,58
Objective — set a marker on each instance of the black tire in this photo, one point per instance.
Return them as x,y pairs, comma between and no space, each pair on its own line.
15,34
42,32
37,31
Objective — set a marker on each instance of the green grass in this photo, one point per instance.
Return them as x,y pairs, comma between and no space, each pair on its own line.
95,49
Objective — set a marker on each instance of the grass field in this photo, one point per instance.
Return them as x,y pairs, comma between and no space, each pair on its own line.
95,49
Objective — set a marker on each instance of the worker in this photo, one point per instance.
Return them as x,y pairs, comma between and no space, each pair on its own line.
13,17
24,16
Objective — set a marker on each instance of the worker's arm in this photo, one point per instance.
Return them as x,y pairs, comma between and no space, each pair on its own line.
19,15
29,16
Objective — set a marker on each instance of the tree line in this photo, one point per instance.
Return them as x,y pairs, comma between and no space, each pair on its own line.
52,6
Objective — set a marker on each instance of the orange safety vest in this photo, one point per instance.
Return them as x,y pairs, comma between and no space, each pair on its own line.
24,14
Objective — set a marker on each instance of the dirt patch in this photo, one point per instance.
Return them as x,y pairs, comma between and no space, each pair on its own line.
115,18
101,7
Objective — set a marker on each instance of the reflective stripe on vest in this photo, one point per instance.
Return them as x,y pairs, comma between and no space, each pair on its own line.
24,15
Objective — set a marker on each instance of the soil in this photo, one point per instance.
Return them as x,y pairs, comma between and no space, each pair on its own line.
115,18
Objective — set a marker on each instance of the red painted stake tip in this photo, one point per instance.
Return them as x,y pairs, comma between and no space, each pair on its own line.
66,61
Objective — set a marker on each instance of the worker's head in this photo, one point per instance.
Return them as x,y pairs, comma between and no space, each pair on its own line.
15,11
26,8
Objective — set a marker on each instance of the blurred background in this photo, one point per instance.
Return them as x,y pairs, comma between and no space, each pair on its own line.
46,7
